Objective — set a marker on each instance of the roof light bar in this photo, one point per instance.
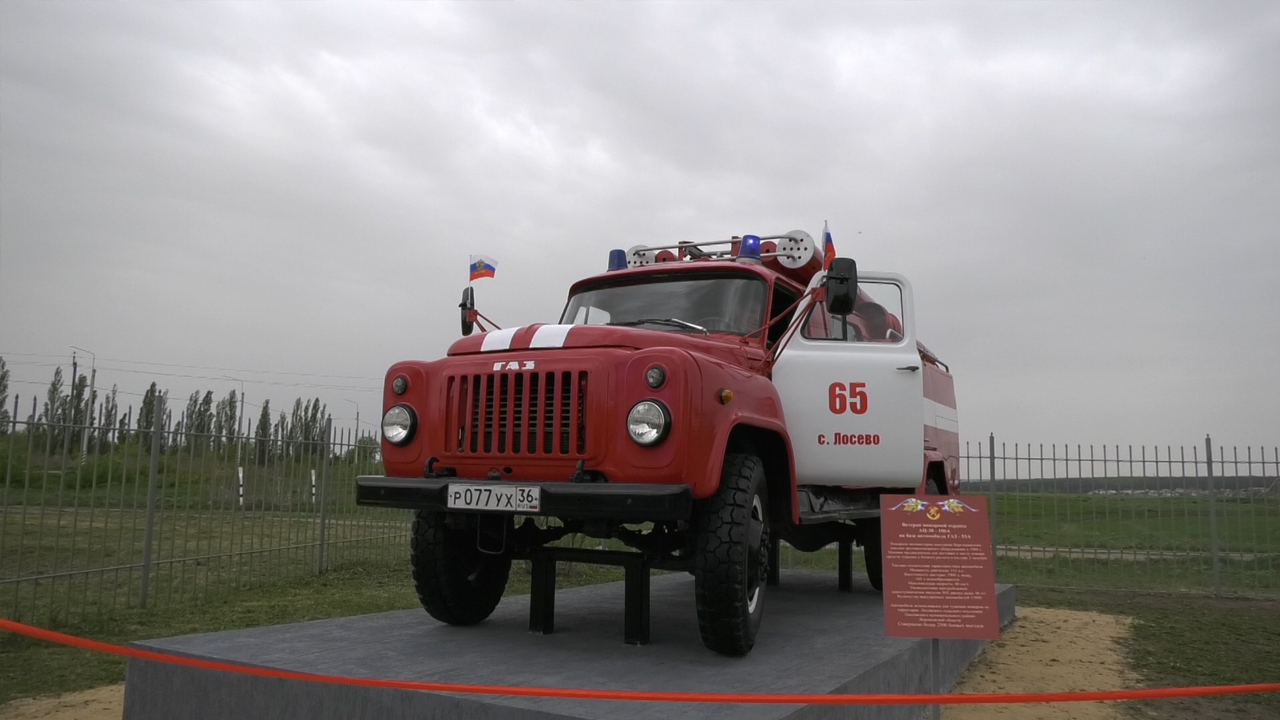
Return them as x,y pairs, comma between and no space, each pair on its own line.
794,249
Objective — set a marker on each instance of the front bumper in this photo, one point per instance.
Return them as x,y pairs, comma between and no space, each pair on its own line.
630,503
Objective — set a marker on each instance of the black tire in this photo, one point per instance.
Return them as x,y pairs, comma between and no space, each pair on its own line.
933,487
731,557
872,554
457,583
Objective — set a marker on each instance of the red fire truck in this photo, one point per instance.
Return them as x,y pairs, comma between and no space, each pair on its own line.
699,402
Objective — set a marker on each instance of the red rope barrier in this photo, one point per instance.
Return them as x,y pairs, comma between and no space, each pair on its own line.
638,695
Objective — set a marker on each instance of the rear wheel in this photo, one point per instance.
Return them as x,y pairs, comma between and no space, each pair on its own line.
458,583
731,558
872,554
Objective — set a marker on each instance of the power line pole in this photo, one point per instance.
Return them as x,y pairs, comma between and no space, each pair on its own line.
355,440
239,416
88,415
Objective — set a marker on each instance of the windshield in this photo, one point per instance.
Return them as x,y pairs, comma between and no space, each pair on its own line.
714,304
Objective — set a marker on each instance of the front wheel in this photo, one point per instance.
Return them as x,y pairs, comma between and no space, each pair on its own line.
731,557
457,582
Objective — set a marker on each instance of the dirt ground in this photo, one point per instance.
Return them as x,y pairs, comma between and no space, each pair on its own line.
1045,651
97,704
1049,650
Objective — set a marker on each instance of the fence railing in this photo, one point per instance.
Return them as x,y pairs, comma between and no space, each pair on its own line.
1203,518
96,518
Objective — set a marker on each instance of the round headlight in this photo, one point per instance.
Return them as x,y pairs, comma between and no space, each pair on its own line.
655,376
398,424
648,422
400,385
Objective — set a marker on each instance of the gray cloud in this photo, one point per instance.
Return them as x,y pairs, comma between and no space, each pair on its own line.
1082,194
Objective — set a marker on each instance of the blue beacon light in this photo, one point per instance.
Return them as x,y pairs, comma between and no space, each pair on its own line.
617,260
750,248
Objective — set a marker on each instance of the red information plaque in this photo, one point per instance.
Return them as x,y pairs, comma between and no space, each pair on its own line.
939,577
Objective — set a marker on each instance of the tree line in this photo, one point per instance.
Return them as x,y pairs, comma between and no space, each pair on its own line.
72,414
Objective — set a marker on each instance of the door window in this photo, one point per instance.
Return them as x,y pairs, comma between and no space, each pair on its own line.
876,318
782,301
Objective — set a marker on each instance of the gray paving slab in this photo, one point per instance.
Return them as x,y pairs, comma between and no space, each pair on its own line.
813,640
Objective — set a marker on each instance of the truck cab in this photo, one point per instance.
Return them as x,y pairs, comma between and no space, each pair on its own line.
699,402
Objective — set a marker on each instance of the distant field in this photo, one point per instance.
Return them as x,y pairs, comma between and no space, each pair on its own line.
1138,522
1154,486
1190,575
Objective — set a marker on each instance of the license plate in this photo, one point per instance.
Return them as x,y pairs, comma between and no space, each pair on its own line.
516,498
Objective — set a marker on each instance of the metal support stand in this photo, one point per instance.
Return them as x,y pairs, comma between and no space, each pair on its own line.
542,593
846,566
935,672
775,546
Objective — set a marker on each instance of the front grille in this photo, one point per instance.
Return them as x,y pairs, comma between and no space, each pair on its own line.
518,413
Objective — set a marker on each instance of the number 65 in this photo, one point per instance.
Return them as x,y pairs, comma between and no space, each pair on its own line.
852,398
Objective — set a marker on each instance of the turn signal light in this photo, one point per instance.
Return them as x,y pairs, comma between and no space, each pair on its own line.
655,377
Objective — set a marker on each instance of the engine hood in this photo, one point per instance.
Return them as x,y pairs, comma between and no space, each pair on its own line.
552,337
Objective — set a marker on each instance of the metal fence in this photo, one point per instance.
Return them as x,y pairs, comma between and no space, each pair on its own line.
1203,519
98,518
93,519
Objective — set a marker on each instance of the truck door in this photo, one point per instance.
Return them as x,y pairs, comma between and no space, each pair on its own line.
852,390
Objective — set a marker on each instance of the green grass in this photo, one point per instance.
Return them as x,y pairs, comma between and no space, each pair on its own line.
1188,641
30,668
1194,575
1189,575
195,554
1249,525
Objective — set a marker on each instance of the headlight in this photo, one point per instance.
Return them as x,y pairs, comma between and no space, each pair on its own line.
398,424
648,422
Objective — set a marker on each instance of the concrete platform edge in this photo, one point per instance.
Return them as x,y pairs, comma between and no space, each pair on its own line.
173,691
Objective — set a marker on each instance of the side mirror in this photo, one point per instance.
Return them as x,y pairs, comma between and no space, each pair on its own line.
842,285
468,306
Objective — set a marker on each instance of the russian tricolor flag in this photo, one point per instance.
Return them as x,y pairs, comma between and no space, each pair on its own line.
483,266
828,247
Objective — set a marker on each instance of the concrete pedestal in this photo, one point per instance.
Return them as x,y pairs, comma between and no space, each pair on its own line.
813,640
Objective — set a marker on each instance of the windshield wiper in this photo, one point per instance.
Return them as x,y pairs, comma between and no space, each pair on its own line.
676,322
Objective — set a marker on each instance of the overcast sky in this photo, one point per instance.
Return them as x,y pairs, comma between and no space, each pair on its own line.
1085,196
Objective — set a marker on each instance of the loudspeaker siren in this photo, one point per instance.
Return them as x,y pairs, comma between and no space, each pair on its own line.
640,256
797,250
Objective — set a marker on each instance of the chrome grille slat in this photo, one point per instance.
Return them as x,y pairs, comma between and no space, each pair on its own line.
488,413
533,413
519,413
475,413
548,413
